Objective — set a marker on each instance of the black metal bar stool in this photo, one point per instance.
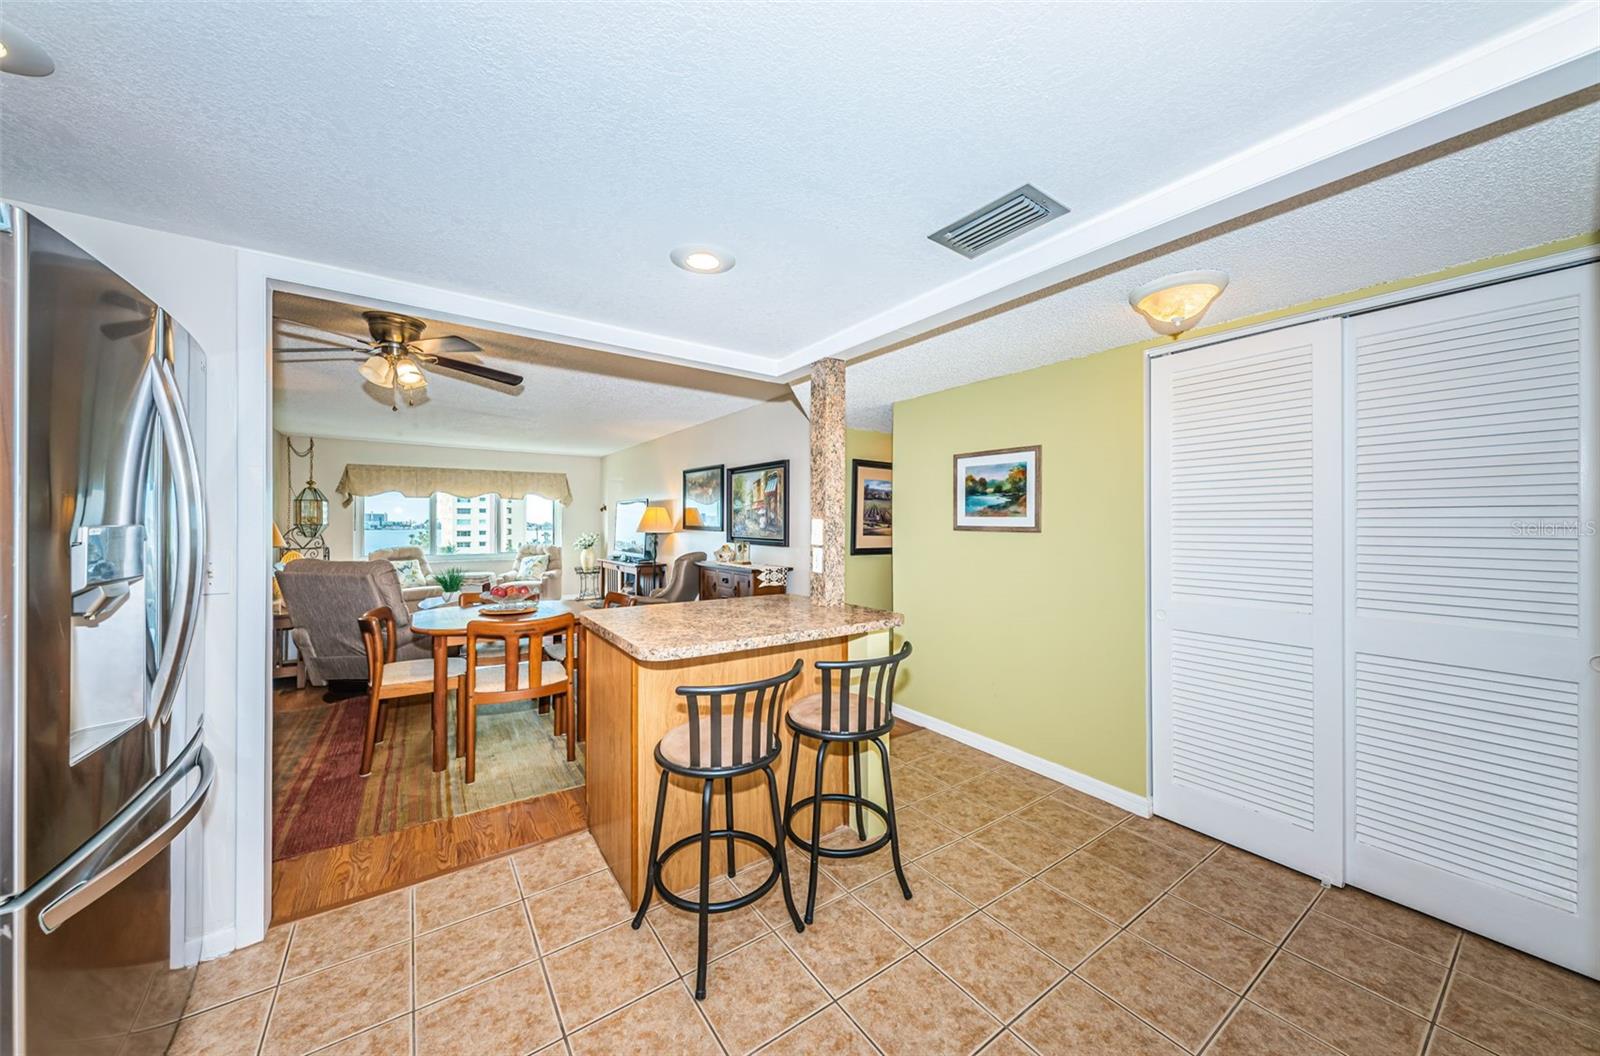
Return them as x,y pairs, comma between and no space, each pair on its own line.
852,716
734,737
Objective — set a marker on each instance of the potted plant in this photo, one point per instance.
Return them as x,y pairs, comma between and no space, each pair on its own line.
586,544
450,581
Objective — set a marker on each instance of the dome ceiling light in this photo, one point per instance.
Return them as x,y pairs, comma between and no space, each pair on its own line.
21,56
1175,303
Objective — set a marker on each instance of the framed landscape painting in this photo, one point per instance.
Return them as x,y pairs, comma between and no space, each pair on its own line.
702,499
758,504
998,491
871,507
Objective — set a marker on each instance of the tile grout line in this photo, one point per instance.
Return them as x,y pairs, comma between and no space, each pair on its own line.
1444,989
272,1002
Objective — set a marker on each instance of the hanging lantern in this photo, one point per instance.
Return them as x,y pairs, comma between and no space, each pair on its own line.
310,511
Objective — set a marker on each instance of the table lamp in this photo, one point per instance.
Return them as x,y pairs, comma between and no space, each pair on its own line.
655,522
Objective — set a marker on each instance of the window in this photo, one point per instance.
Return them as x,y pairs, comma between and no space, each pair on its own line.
480,525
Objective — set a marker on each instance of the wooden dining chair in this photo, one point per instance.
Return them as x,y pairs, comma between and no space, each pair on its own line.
388,678
521,674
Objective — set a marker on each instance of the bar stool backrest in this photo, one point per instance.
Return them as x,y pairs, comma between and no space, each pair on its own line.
752,733
859,694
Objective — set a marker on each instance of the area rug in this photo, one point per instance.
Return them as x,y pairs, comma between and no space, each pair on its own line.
319,799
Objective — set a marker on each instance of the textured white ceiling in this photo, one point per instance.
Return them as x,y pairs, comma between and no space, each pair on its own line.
1528,186
573,401
550,155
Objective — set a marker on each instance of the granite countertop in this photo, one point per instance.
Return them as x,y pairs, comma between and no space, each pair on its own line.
690,629
744,566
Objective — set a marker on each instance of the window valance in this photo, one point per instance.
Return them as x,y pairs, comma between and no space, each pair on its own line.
422,481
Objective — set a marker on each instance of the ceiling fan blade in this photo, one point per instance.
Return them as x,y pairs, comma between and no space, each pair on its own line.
478,370
316,348
332,337
436,346
286,361
118,331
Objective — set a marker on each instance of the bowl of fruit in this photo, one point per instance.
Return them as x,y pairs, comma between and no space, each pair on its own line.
510,600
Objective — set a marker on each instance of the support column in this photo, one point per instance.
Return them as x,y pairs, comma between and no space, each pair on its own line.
827,480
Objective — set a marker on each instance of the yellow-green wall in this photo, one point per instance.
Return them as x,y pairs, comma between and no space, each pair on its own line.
1034,639
868,578
1037,640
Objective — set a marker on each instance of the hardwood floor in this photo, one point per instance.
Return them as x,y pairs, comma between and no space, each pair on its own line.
372,865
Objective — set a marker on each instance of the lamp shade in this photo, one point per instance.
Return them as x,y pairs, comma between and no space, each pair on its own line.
656,520
277,535
1173,304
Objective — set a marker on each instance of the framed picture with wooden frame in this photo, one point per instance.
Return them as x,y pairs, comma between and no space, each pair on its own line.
758,503
871,507
999,490
702,499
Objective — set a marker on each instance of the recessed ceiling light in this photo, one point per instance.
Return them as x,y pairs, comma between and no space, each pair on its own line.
1174,303
20,55
702,259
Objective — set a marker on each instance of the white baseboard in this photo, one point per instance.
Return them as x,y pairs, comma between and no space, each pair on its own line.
1092,786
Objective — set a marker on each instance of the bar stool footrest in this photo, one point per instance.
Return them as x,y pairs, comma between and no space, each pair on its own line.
692,840
836,852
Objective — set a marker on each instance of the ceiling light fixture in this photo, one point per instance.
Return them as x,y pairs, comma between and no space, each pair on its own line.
20,55
1175,303
702,260
378,370
408,375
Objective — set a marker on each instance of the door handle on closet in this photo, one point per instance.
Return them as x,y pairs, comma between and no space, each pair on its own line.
191,527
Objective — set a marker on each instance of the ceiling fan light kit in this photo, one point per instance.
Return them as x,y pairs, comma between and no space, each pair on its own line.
397,356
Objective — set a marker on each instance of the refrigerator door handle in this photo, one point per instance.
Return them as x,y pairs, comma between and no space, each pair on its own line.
80,896
185,469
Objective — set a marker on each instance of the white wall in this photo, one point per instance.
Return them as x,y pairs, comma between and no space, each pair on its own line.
333,454
654,470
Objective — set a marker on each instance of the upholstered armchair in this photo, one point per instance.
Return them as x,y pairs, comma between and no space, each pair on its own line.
326,600
683,581
547,583
413,593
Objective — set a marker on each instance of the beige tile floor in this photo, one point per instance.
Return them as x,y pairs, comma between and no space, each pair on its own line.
1044,922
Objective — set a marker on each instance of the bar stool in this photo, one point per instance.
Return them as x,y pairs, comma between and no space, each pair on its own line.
832,716
731,739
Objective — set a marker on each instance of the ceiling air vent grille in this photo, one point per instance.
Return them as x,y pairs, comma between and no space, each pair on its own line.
1000,221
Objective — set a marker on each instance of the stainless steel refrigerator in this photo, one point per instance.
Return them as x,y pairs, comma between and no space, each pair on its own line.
102,559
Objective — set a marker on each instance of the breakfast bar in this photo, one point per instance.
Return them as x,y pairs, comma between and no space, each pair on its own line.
634,660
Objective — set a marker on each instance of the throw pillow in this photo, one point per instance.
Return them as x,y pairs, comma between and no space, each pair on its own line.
532,567
410,572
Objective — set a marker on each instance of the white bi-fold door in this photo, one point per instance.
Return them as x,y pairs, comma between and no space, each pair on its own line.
1246,593
1472,736
1375,604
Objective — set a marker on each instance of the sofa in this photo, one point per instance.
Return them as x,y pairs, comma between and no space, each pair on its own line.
415,594
324,600
547,585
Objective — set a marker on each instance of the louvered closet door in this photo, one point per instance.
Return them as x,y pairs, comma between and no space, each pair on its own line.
1472,597
1246,594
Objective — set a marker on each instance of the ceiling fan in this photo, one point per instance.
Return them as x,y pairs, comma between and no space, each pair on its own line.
397,354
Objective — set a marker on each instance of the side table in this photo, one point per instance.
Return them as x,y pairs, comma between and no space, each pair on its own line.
589,583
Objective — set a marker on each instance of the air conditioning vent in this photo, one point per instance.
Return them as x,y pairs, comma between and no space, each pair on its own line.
1000,221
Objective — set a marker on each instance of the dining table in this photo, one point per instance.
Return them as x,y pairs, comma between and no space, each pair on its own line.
446,625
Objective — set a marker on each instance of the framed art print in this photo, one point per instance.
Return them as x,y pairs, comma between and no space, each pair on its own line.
998,491
758,504
702,499
871,507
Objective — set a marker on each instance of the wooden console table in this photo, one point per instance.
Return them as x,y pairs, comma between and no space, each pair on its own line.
720,579
631,575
